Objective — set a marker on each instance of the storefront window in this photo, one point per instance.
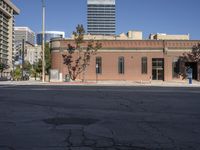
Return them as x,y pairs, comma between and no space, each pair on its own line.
175,68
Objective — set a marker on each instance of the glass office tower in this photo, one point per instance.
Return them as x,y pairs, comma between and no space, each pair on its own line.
101,17
49,35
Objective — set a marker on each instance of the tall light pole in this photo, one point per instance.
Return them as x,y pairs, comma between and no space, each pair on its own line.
43,40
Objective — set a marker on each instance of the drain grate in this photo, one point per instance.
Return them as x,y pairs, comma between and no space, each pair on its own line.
70,121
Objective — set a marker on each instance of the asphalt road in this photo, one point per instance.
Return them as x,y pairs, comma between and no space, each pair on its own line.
99,118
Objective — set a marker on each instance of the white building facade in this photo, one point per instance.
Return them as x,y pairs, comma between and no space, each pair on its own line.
33,54
7,21
24,33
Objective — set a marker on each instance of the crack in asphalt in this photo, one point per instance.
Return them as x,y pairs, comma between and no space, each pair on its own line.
79,138
173,142
97,142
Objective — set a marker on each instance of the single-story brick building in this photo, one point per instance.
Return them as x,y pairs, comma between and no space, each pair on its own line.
131,60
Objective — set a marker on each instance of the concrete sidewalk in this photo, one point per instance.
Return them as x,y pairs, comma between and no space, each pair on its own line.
30,82
183,83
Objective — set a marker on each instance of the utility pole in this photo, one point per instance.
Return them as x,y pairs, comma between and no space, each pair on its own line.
23,48
43,40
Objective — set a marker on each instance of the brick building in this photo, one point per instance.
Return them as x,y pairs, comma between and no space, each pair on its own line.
131,60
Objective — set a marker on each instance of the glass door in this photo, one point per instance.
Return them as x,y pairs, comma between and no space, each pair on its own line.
158,69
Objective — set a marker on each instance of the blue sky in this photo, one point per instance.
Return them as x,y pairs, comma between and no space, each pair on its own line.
149,16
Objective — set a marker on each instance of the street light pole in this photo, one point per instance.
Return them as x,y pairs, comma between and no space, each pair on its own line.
43,40
23,49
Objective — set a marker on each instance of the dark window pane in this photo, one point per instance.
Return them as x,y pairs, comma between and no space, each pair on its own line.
175,68
144,65
98,65
121,65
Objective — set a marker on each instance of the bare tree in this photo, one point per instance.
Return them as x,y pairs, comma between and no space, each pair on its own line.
78,57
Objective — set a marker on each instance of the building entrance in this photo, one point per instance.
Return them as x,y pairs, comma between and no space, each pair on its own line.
193,65
157,69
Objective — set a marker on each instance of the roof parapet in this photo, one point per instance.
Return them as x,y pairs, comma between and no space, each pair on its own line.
15,8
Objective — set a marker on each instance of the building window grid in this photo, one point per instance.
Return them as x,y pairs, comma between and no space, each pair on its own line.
101,19
102,14
101,23
100,26
101,6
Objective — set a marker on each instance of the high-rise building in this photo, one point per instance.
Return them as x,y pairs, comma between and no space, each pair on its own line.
24,33
49,35
7,12
101,17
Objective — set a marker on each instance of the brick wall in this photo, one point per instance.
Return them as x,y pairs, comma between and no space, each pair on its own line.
132,51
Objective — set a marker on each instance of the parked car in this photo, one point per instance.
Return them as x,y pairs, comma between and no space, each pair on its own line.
25,77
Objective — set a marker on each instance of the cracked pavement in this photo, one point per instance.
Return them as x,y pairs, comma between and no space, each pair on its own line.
99,118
